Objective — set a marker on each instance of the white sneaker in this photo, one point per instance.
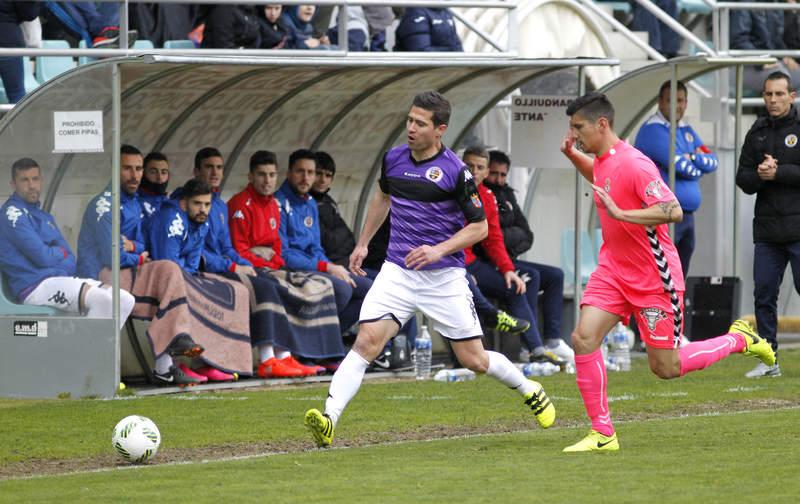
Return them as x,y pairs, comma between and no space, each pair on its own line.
763,370
562,350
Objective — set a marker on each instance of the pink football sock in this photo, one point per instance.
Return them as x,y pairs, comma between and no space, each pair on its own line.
590,372
701,354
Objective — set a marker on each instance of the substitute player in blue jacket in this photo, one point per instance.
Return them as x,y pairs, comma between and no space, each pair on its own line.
38,261
153,188
692,160
431,195
179,228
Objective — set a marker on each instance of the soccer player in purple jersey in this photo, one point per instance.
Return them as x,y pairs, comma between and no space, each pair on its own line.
431,194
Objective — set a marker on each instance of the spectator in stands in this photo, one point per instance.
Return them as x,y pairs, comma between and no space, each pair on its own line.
357,30
661,38
761,30
300,237
693,160
518,238
12,70
274,33
232,27
309,325
97,24
166,332
177,233
36,259
267,315
427,29
336,238
791,28
302,34
495,272
769,167
153,189
378,19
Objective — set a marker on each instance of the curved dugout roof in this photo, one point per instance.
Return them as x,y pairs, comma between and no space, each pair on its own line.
635,93
354,108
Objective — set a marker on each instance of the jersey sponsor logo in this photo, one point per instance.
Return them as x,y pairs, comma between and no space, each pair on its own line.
411,174
689,137
790,140
13,213
308,221
653,189
476,200
176,227
434,174
273,223
102,207
653,316
238,215
419,19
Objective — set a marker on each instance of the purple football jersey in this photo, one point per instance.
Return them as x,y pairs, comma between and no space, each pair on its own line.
430,202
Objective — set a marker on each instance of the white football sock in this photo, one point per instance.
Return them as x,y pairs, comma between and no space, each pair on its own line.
503,370
344,385
282,353
163,364
99,301
266,352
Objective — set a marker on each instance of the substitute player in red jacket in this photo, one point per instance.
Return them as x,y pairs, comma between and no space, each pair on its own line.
638,270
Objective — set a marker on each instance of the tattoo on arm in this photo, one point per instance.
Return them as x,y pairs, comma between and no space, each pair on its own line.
667,208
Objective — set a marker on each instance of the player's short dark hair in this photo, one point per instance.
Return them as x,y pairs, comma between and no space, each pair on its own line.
262,157
436,103
778,75
679,85
23,164
195,187
130,150
325,162
155,156
476,150
592,106
205,153
301,154
499,157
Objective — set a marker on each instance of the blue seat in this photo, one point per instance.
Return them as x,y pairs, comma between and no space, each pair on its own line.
179,44
694,6
143,44
30,81
9,307
82,60
588,256
617,6
48,67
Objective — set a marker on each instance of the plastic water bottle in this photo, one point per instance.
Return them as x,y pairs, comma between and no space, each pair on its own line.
539,369
454,375
423,347
604,349
621,350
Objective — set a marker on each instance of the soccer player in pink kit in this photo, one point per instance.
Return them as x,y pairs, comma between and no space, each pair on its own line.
638,270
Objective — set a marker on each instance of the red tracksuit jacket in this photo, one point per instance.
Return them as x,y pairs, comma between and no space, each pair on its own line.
493,244
254,221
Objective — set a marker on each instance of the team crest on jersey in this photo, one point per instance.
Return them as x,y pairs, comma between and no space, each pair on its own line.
653,189
790,140
308,221
689,137
434,174
13,213
653,316
102,207
273,223
476,200
176,227
238,215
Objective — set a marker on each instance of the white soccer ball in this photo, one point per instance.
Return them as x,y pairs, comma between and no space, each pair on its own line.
136,439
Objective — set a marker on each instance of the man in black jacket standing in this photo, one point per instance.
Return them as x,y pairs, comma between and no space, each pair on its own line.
769,167
518,238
